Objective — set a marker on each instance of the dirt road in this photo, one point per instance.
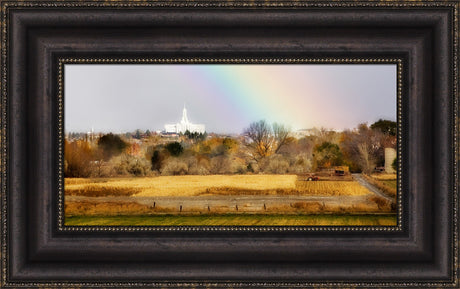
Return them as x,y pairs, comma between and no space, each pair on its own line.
363,182
246,203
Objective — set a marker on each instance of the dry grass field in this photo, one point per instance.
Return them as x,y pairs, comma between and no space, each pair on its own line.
210,185
123,198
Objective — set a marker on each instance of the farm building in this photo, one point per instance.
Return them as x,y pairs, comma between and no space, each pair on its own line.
390,155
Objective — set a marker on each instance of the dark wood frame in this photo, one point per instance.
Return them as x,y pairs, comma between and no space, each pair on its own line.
421,252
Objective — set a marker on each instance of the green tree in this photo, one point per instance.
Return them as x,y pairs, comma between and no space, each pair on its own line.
385,126
137,134
196,136
394,164
328,154
156,160
174,148
111,145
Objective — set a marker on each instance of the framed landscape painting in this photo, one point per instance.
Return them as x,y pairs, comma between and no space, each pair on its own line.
229,144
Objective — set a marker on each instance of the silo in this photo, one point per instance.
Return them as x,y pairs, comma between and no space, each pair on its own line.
390,155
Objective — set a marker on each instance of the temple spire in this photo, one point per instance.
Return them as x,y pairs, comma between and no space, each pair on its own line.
184,115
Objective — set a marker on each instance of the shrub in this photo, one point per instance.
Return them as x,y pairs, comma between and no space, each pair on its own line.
198,170
253,168
300,164
223,165
197,166
276,164
174,167
130,165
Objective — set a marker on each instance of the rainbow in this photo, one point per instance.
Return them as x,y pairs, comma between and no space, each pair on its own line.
228,97
296,95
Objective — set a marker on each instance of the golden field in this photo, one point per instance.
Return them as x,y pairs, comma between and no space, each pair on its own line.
332,188
190,185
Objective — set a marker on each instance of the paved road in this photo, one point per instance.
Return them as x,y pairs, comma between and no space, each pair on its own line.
363,182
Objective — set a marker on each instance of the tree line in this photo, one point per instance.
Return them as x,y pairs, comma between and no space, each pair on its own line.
262,148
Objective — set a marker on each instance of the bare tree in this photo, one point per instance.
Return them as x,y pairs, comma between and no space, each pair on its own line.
281,134
364,147
261,137
266,139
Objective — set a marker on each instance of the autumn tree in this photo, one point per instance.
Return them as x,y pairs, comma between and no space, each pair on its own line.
281,135
229,145
78,158
364,147
261,137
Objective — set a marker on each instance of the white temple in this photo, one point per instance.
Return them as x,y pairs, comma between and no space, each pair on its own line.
184,125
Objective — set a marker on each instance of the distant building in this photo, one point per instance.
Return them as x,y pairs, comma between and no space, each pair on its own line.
304,132
184,125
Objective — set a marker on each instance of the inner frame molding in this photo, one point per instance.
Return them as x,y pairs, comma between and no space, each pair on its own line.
422,252
399,86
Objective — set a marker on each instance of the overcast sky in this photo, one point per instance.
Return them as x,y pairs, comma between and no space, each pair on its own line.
226,98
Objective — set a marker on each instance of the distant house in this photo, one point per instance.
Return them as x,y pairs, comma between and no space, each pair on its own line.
335,170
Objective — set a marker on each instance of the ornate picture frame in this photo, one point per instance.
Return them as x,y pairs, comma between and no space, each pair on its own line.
38,37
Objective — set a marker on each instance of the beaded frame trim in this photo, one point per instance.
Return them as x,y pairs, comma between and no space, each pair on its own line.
63,61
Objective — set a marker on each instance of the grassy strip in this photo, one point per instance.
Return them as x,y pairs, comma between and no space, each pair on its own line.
235,220
391,183
388,190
